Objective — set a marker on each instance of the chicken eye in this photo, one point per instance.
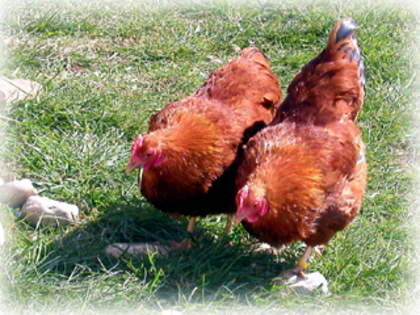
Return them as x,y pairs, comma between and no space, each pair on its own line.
148,155
255,205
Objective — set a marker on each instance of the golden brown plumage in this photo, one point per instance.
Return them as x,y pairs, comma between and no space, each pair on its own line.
190,154
303,177
305,174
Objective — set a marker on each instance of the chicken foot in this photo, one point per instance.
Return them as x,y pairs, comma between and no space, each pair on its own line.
186,243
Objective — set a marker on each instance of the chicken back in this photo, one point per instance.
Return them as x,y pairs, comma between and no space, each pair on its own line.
191,152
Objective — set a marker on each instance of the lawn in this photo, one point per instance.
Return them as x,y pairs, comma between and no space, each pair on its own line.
105,68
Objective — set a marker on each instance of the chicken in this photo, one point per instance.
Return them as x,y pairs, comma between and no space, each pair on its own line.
191,152
303,177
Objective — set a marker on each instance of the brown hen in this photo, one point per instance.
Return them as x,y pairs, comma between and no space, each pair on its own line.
303,177
190,154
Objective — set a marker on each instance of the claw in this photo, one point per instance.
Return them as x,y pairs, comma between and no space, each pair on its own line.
185,244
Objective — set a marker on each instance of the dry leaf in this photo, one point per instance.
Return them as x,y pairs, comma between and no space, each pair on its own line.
236,48
17,89
136,249
213,59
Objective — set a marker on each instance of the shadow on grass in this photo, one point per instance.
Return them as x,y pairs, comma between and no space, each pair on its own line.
212,264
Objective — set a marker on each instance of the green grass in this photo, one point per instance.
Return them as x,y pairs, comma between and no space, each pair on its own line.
105,68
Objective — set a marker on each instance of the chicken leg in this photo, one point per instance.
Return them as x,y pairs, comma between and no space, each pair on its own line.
229,223
302,262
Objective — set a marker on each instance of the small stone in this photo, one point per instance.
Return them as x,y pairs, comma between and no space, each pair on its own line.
46,211
266,248
314,282
136,249
15,193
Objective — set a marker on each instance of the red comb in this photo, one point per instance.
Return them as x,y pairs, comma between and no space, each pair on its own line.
242,195
245,191
138,143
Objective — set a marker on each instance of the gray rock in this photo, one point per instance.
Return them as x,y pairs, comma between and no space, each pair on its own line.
314,282
17,192
46,211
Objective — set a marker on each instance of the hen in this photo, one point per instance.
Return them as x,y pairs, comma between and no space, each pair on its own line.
303,177
191,152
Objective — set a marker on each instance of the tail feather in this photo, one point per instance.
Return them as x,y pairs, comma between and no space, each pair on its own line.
332,84
250,51
343,30
342,44
362,73
256,55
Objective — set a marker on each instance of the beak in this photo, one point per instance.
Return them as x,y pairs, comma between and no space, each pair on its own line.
239,219
132,166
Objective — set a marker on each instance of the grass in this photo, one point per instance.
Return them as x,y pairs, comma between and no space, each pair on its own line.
105,68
